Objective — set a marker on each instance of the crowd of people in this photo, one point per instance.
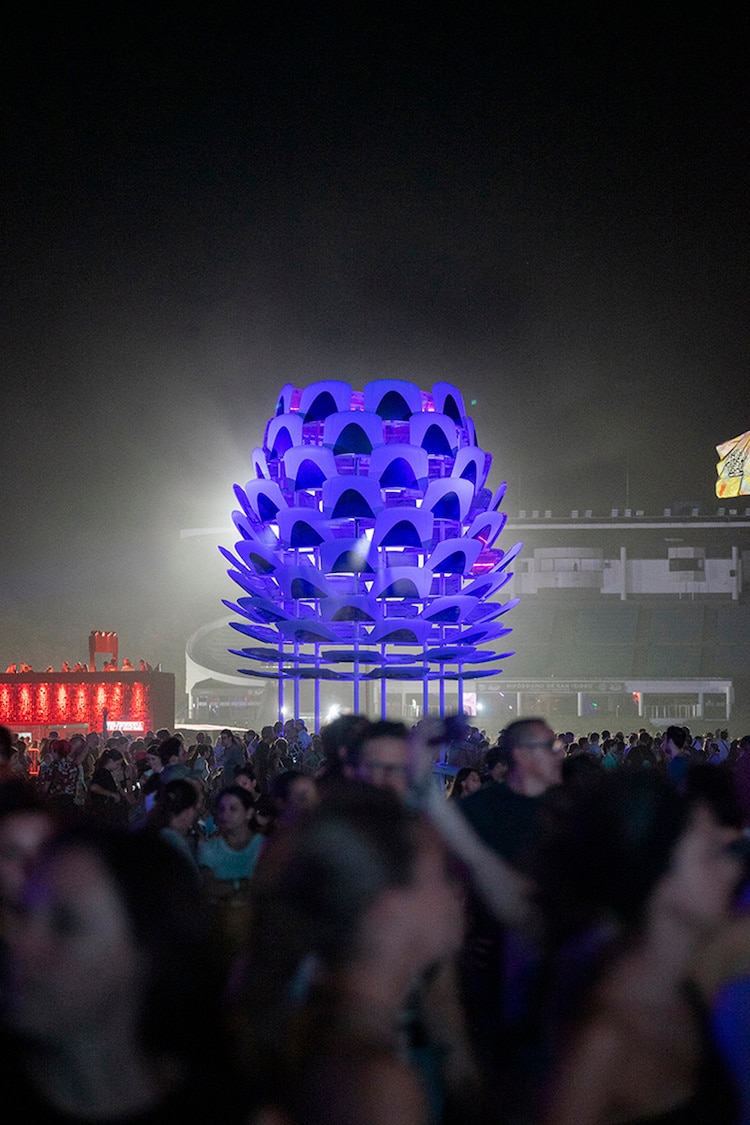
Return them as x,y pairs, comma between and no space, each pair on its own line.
377,923
110,665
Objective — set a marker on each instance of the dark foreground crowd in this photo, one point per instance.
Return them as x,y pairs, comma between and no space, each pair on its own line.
338,928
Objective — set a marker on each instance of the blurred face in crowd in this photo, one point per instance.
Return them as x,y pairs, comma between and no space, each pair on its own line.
231,814
22,834
303,793
72,957
385,763
498,771
538,755
471,783
246,782
422,922
116,766
183,821
702,875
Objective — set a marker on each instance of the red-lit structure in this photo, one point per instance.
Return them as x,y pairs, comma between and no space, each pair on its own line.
131,701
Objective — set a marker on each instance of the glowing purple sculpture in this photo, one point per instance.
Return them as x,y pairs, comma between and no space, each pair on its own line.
366,542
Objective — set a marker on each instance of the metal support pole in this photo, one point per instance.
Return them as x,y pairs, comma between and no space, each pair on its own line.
317,706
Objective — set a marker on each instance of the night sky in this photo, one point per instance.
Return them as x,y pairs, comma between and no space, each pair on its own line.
197,209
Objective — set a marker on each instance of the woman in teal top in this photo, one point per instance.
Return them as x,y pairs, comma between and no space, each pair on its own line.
227,860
